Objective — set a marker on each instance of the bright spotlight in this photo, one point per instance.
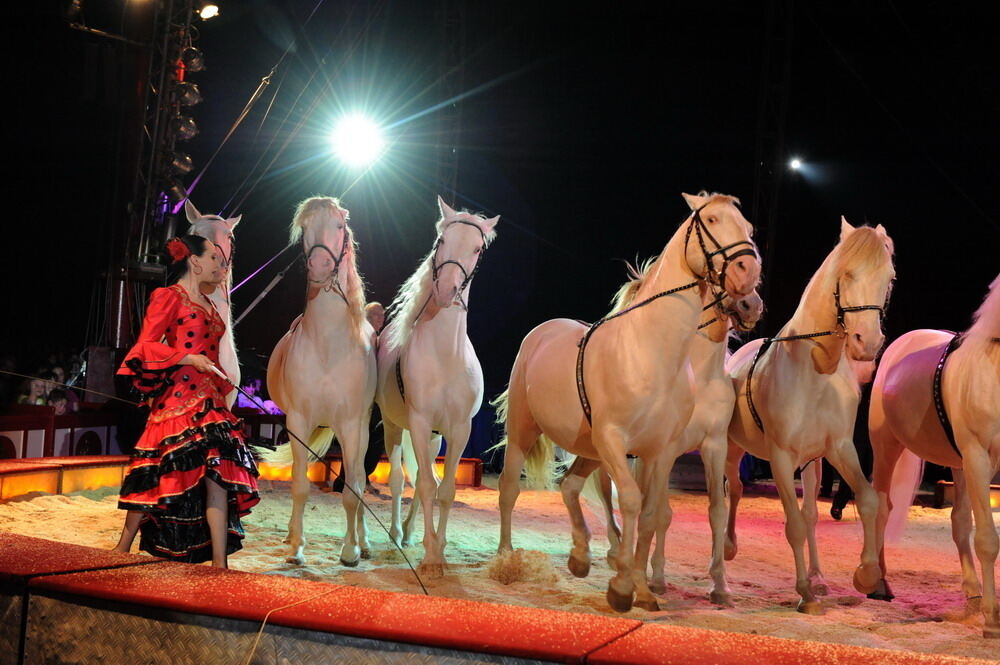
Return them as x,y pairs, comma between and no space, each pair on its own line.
795,164
357,140
208,10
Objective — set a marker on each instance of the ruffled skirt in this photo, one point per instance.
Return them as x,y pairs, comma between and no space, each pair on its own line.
166,481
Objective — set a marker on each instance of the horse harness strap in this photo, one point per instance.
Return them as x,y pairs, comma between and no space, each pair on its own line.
331,284
580,384
467,276
953,343
399,379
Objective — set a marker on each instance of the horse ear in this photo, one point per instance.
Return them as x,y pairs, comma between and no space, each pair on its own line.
845,228
233,221
491,223
446,211
694,202
881,230
192,213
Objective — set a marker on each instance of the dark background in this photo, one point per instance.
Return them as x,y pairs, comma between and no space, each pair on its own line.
581,129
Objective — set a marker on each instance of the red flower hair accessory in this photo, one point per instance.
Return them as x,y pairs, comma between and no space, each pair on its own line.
178,250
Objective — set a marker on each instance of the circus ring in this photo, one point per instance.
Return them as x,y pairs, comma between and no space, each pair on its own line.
65,603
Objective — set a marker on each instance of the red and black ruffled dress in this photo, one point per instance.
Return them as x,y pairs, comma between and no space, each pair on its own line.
190,433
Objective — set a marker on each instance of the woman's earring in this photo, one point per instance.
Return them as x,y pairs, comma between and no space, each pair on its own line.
196,270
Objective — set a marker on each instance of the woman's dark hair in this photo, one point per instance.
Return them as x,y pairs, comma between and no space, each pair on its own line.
177,269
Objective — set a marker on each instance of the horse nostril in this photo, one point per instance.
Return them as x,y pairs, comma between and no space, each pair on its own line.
857,337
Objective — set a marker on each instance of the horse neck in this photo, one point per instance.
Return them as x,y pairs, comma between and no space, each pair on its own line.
817,312
448,328
327,314
708,357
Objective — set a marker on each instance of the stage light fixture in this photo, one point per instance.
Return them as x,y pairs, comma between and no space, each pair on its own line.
175,190
181,163
356,140
208,10
795,164
188,93
193,59
184,128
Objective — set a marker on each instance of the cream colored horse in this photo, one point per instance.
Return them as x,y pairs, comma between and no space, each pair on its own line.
805,394
219,232
322,371
429,378
706,431
904,415
636,384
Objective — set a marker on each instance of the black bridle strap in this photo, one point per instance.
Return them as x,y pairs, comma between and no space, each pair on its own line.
332,283
467,276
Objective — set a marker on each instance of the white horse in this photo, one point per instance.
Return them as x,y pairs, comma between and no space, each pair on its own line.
634,380
322,371
917,381
429,378
219,231
802,398
706,431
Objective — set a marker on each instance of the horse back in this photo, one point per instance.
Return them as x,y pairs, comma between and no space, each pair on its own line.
903,405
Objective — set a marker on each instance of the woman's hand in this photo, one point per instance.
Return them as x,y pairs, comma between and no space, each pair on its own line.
198,361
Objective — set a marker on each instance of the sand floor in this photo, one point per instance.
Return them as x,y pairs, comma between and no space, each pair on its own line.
929,614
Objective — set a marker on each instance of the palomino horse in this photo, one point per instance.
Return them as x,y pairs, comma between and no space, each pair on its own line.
322,371
798,396
706,431
630,396
219,232
429,376
946,410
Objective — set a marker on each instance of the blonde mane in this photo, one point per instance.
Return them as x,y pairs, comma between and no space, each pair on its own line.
409,301
862,252
354,289
986,321
637,275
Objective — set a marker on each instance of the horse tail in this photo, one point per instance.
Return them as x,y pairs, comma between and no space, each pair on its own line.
319,443
905,481
540,466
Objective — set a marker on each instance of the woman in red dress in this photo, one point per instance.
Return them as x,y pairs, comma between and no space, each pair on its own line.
191,477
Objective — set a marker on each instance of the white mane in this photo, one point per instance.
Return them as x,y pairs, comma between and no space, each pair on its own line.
986,321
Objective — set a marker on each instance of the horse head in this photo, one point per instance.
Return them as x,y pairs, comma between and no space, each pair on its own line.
864,275
217,230
719,246
326,238
462,239
745,312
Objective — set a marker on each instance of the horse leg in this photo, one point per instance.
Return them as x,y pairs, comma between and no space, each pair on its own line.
570,487
614,531
844,458
457,437
812,478
979,471
886,451
795,527
394,451
522,436
654,518
610,443
432,565
411,515
733,457
300,488
713,457
664,516
961,533
354,442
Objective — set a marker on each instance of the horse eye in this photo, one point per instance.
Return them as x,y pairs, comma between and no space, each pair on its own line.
478,249
711,220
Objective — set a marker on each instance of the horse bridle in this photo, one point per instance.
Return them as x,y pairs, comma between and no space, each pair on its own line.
331,283
467,276
841,310
713,277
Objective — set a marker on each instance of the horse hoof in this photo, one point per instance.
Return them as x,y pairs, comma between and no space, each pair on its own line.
721,598
580,567
350,564
867,577
366,553
405,542
431,570
882,592
619,602
648,604
659,587
810,607
730,551
297,559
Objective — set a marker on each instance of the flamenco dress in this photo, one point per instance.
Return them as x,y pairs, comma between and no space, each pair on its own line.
190,434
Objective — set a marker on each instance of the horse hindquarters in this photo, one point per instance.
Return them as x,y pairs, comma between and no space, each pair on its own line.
522,435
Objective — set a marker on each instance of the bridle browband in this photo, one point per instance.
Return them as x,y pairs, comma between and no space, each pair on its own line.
701,231
330,284
839,331
467,276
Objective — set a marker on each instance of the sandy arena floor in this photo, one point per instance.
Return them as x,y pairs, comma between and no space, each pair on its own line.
927,616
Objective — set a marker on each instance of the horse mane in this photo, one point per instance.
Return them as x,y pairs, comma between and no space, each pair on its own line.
863,251
986,320
354,290
409,301
637,275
